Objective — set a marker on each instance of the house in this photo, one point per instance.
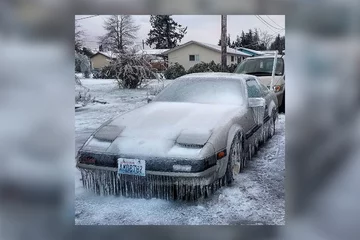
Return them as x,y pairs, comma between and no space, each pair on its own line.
193,52
101,59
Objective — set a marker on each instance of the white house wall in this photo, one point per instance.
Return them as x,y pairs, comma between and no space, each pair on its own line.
205,55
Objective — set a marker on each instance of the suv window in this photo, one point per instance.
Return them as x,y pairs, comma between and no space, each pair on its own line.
253,88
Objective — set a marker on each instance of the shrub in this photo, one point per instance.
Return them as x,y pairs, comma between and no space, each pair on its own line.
207,67
174,71
232,68
82,93
130,70
82,64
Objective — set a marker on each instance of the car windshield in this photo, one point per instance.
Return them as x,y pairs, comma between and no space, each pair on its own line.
261,67
204,90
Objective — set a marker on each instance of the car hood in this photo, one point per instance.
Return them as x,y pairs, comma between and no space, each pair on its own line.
167,119
266,80
153,130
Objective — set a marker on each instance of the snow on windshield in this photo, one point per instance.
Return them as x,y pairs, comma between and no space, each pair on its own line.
204,90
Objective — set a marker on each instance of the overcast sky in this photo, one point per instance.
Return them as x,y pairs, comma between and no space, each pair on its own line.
202,28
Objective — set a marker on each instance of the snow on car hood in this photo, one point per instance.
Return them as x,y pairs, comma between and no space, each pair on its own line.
153,129
167,119
266,80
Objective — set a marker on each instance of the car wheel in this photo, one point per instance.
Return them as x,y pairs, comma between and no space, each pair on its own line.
282,107
236,162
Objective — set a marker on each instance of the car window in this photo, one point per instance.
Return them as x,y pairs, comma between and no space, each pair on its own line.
208,90
253,88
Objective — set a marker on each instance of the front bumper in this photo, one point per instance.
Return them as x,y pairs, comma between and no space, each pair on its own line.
205,177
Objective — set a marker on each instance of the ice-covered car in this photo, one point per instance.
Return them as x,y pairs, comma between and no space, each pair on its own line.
262,67
191,139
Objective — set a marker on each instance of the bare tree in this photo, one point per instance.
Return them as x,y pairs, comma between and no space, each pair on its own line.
120,33
223,40
79,35
265,38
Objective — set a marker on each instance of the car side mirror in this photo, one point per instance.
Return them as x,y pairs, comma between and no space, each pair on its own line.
258,105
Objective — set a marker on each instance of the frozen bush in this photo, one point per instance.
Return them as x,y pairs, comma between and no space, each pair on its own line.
82,64
174,71
82,93
207,67
130,70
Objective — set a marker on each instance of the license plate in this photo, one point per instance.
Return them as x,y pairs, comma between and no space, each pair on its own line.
131,166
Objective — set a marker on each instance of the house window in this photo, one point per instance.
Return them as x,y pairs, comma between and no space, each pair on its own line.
193,58
232,58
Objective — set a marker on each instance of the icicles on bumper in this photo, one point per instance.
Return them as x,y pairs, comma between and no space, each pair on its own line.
163,187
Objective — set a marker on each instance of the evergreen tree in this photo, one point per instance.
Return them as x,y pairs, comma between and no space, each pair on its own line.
120,33
278,44
87,52
237,43
228,43
165,32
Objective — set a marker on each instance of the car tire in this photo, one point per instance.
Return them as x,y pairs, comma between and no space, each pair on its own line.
236,158
282,107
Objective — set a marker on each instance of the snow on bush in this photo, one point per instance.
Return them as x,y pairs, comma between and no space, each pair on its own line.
211,67
130,70
174,71
82,64
82,93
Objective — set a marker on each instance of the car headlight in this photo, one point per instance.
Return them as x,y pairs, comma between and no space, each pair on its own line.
277,88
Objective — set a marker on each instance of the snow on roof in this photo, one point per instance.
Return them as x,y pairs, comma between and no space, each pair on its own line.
210,75
152,51
228,49
210,46
108,54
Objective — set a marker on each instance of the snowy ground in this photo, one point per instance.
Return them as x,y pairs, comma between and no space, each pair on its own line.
256,197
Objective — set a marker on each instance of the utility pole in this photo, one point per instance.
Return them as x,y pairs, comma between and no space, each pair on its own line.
223,40
143,44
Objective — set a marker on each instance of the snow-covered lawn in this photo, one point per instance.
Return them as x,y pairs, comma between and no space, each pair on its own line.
256,197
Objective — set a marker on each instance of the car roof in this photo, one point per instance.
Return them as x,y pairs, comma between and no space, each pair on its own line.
266,56
212,75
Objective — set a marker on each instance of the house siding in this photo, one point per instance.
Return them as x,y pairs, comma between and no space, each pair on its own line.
99,61
182,55
206,55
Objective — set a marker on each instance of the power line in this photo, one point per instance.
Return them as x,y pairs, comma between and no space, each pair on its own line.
268,24
86,17
273,21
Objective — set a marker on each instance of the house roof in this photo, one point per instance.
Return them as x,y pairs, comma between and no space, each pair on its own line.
208,46
254,52
152,51
108,54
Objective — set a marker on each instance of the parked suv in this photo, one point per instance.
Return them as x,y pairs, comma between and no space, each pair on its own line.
262,67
